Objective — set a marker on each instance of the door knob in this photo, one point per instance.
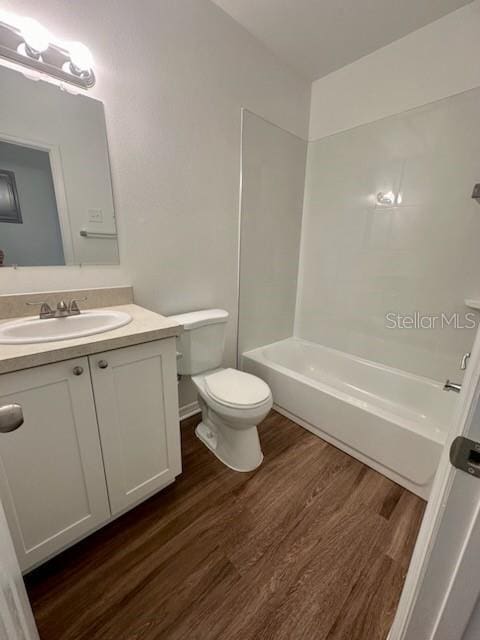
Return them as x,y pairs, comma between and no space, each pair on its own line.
11,417
103,364
77,371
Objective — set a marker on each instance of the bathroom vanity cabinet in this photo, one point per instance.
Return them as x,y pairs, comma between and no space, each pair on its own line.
100,433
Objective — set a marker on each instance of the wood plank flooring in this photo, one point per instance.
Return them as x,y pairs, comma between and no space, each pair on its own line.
313,545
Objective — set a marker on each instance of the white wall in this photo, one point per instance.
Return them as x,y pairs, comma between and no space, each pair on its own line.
273,178
431,63
360,262
173,76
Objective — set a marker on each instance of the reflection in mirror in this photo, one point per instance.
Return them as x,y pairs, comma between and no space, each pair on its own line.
30,229
56,202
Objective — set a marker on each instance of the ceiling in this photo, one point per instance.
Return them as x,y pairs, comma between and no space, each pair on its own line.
316,37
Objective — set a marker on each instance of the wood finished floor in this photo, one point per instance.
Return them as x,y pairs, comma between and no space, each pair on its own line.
314,545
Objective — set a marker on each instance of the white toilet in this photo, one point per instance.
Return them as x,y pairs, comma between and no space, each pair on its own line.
232,402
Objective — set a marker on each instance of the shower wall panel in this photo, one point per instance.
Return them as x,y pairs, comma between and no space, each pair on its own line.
273,178
417,256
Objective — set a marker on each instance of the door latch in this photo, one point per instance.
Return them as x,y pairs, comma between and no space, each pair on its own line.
465,455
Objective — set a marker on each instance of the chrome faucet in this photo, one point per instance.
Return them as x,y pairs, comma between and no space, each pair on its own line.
464,362
63,309
454,386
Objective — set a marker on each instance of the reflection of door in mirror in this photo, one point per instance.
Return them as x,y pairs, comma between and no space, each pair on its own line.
9,205
29,225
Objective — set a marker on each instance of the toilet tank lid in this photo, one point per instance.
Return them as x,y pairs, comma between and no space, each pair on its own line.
195,319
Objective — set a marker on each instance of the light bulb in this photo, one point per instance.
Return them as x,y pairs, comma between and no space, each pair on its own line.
81,58
386,199
389,197
36,37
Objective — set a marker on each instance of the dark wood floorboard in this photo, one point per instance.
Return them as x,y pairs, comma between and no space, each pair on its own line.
313,545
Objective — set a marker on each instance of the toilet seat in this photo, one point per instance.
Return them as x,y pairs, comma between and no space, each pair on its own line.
236,389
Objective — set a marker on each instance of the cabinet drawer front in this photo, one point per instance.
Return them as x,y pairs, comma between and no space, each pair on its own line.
51,473
136,398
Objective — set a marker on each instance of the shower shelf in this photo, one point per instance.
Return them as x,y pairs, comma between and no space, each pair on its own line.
473,303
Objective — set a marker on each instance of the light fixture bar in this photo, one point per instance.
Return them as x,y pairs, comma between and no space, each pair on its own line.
54,61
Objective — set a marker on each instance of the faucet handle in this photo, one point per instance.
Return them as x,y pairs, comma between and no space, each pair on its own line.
73,307
45,309
465,358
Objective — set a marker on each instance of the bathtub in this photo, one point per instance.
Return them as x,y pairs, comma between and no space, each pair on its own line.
393,421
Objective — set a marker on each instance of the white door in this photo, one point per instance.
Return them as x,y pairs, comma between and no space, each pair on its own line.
16,619
135,392
443,582
52,483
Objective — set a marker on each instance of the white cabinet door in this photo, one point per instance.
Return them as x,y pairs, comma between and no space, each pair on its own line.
135,392
52,483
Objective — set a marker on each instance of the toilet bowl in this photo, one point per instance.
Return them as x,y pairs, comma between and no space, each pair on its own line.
232,402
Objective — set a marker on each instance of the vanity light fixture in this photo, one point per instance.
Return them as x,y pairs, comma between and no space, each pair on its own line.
25,41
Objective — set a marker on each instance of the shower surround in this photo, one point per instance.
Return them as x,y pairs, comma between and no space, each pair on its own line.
389,228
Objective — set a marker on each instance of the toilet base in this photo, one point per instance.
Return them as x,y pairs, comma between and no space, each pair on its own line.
238,449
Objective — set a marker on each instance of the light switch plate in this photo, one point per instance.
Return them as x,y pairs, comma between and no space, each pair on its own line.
95,215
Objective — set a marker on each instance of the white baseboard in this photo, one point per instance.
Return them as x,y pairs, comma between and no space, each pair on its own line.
189,410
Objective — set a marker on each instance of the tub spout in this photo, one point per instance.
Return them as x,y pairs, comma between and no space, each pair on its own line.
452,386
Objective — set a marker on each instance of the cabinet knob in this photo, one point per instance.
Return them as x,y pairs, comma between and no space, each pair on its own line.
11,417
77,371
103,364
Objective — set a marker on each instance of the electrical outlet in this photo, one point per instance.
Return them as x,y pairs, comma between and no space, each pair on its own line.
476,192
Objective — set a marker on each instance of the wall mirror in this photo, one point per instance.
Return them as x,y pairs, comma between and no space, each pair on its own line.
56,202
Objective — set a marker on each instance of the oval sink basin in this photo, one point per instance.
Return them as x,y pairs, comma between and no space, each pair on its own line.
88,323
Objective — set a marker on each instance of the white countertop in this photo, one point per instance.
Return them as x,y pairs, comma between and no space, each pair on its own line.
144,327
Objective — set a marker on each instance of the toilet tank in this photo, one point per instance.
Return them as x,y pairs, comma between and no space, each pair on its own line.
203,340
